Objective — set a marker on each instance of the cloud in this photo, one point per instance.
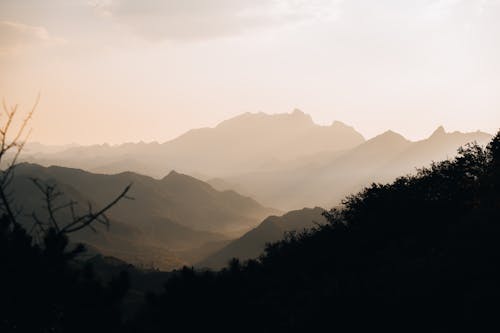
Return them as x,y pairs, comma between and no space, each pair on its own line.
15,35
195,19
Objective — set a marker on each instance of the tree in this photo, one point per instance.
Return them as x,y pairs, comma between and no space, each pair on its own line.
42,288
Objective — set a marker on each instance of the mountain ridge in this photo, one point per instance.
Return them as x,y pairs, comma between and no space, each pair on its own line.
271,229
379,159
163,215
245,142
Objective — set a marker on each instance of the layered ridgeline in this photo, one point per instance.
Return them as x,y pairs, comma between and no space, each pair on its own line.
283,160
246,143
252,244
416,255
175,213
325,179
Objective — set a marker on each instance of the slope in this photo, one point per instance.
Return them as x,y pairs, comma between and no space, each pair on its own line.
176,198
328,179
272,229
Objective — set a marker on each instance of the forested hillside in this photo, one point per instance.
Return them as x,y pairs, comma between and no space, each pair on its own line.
419,255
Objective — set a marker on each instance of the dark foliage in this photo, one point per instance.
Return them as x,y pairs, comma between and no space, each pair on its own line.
421,254
43,291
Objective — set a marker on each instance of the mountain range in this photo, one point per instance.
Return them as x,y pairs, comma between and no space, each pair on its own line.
175,213
242,166
245,143
325,179
284,161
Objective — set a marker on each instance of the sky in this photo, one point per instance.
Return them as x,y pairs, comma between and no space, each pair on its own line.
126,71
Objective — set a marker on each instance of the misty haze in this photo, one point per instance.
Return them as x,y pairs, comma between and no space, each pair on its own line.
249,166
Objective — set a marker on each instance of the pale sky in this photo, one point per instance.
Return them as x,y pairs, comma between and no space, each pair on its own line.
124,70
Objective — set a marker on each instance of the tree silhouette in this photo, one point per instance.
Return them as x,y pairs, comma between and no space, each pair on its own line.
42,288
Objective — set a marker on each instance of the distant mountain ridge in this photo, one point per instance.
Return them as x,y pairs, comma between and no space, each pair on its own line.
248,142
326,179
282,160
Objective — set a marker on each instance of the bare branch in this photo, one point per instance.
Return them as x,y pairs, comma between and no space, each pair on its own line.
50,192
77,222
91,217
17,142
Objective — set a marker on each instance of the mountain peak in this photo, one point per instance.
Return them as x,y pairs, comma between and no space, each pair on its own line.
183,183
251,120
173,173
337,123
388,138
390,134
438,132
303,117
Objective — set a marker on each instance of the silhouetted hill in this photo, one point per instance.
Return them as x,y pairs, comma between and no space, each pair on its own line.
252,244
123,240
173,214
178,198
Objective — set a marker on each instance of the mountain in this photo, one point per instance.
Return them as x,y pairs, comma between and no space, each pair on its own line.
252,244
326,179
176,197
122,240
175,213
284,161
416,255
248,142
